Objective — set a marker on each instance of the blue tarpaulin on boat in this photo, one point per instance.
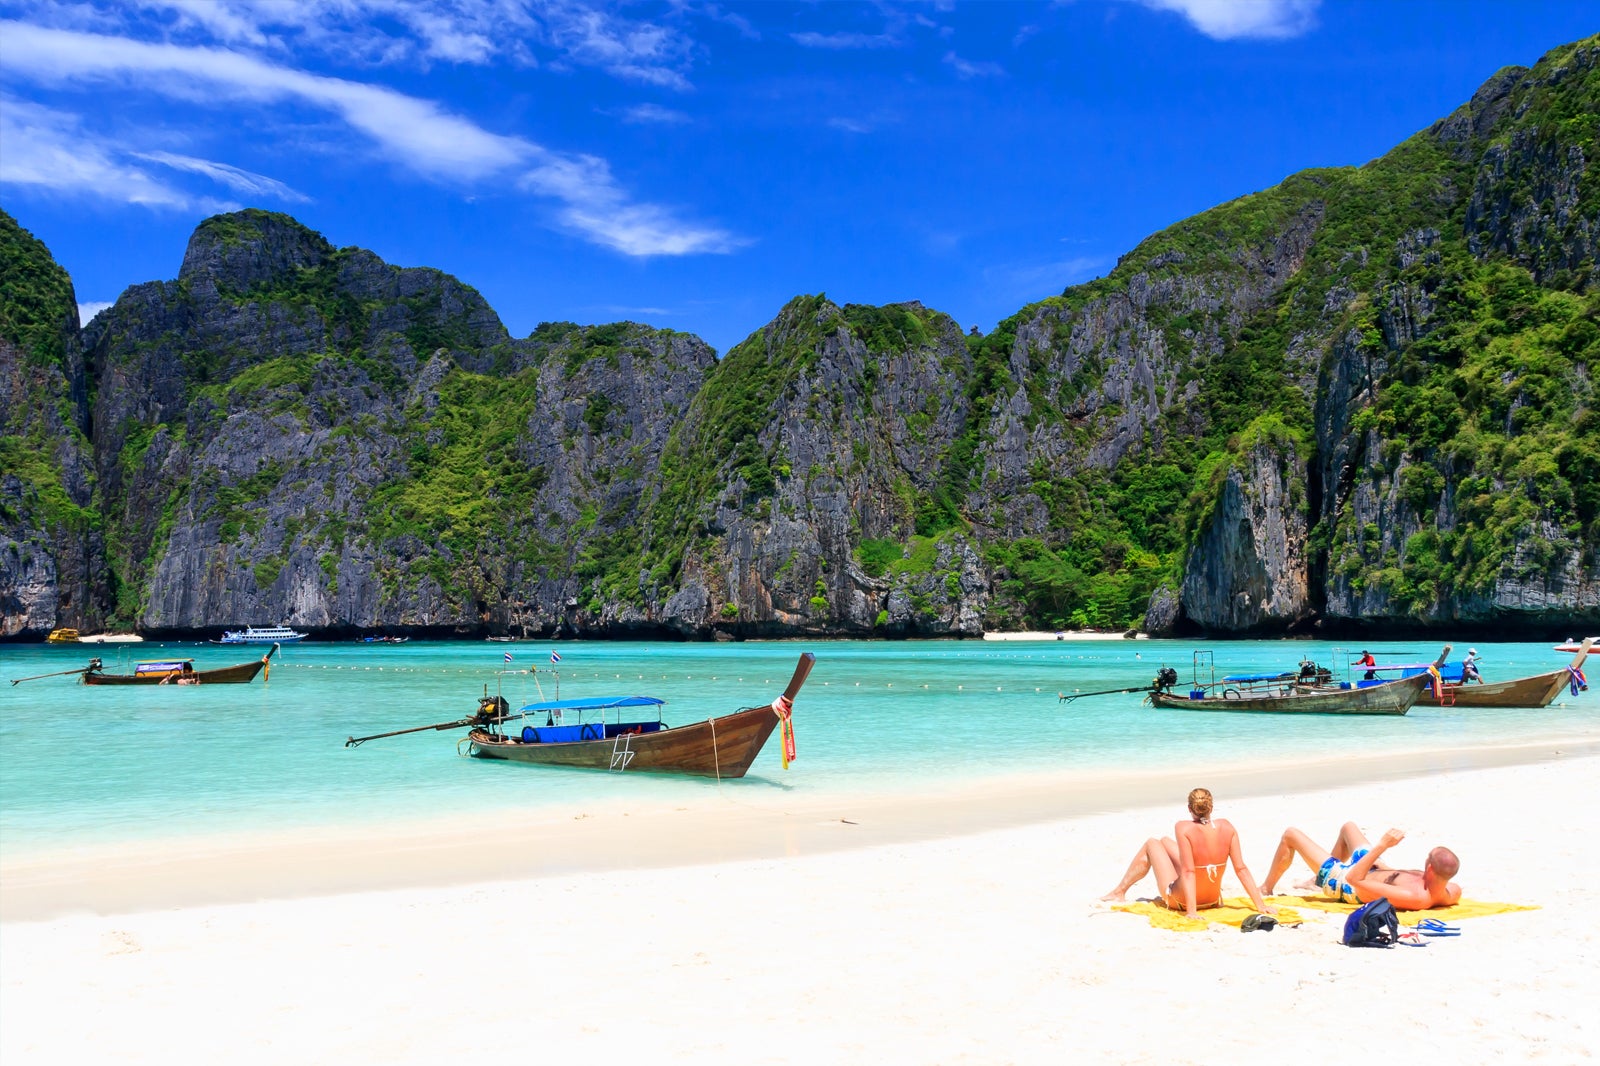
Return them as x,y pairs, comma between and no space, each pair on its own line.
1449,671
593,703
1259,677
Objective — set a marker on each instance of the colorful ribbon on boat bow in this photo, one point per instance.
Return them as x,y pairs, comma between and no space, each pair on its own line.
1435,682
784,709
1579,682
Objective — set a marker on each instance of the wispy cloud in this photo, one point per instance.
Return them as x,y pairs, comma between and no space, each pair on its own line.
1227,20
1032,281
594,206
415,133
969,69
419,32
50,151
627,312
842,41
89,308
235,178
850,125
647,114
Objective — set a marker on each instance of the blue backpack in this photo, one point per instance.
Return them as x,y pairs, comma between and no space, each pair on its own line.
1372,925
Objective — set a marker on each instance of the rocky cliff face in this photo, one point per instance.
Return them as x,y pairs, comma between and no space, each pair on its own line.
1247,571
51,551
1360,399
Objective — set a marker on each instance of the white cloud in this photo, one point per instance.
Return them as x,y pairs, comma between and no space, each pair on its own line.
49,151
87,309
242,181
418,32
849,125
597,208
645,114
1226,20
968,69
839,41
416,133
1033,281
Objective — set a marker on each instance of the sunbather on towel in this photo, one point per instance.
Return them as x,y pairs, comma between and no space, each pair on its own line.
1351,872
1189,864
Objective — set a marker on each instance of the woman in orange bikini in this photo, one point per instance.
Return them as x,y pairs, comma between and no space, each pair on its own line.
1189,868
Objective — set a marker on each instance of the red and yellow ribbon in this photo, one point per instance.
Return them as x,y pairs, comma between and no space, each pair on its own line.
784,709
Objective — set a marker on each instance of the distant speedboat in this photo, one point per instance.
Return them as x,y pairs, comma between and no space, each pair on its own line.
262,635
1577,645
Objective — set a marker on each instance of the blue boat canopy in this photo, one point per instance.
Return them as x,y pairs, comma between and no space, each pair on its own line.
593,703
1279,676
162,667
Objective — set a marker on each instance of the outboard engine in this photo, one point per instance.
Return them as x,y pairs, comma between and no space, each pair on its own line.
1311,672
492,708
1165,678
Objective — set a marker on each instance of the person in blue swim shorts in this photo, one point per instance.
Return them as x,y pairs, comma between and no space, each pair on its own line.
1351,873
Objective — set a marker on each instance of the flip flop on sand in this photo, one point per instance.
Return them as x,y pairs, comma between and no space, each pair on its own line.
1412,940
1434,927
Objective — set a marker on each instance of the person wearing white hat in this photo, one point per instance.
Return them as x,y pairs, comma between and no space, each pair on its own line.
1469,667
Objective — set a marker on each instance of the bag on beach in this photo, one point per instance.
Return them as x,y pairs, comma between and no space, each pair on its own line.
1372,925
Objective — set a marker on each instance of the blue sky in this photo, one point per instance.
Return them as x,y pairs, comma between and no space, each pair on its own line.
694,165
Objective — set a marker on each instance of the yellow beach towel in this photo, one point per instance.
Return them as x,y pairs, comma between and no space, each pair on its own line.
1467,908
1232,912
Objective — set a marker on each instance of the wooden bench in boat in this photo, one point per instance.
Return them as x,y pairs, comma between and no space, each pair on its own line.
567,734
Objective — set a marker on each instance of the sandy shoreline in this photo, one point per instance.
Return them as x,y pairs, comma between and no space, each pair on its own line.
954,938
601,837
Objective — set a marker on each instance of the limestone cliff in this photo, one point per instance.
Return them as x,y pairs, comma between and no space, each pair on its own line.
1360,399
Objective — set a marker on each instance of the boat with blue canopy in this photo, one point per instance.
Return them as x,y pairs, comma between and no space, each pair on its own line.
1307,690
624,733
1454,689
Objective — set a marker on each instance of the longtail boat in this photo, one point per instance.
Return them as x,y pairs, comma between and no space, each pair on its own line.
178,672
1535,690
1286,693
607,737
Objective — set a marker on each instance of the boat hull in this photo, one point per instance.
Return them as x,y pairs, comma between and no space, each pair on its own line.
717,747
1396,697
242,674
1540,690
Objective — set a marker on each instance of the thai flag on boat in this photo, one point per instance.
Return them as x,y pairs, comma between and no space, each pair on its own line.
508,656
555,657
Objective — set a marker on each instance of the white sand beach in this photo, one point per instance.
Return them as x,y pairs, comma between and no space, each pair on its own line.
1065,634
956,929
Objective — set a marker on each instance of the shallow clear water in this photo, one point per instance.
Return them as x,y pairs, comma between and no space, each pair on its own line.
84,765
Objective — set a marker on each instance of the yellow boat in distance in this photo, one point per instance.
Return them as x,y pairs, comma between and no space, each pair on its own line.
62,636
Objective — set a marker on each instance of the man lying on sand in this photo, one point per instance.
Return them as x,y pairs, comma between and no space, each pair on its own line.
1351,872
1189,864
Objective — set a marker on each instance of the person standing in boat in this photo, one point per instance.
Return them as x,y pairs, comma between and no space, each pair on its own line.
1469,667
1370,663
1189,865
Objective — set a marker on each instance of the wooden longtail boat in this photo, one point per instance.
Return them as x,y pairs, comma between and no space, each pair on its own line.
1536,690
1286,694
178,672
720,747
1390,697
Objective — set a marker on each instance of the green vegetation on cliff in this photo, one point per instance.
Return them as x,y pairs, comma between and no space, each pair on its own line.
37,309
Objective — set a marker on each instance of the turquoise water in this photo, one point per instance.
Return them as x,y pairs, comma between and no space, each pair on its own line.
86,765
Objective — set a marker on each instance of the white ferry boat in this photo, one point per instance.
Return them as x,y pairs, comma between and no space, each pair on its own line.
262,635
